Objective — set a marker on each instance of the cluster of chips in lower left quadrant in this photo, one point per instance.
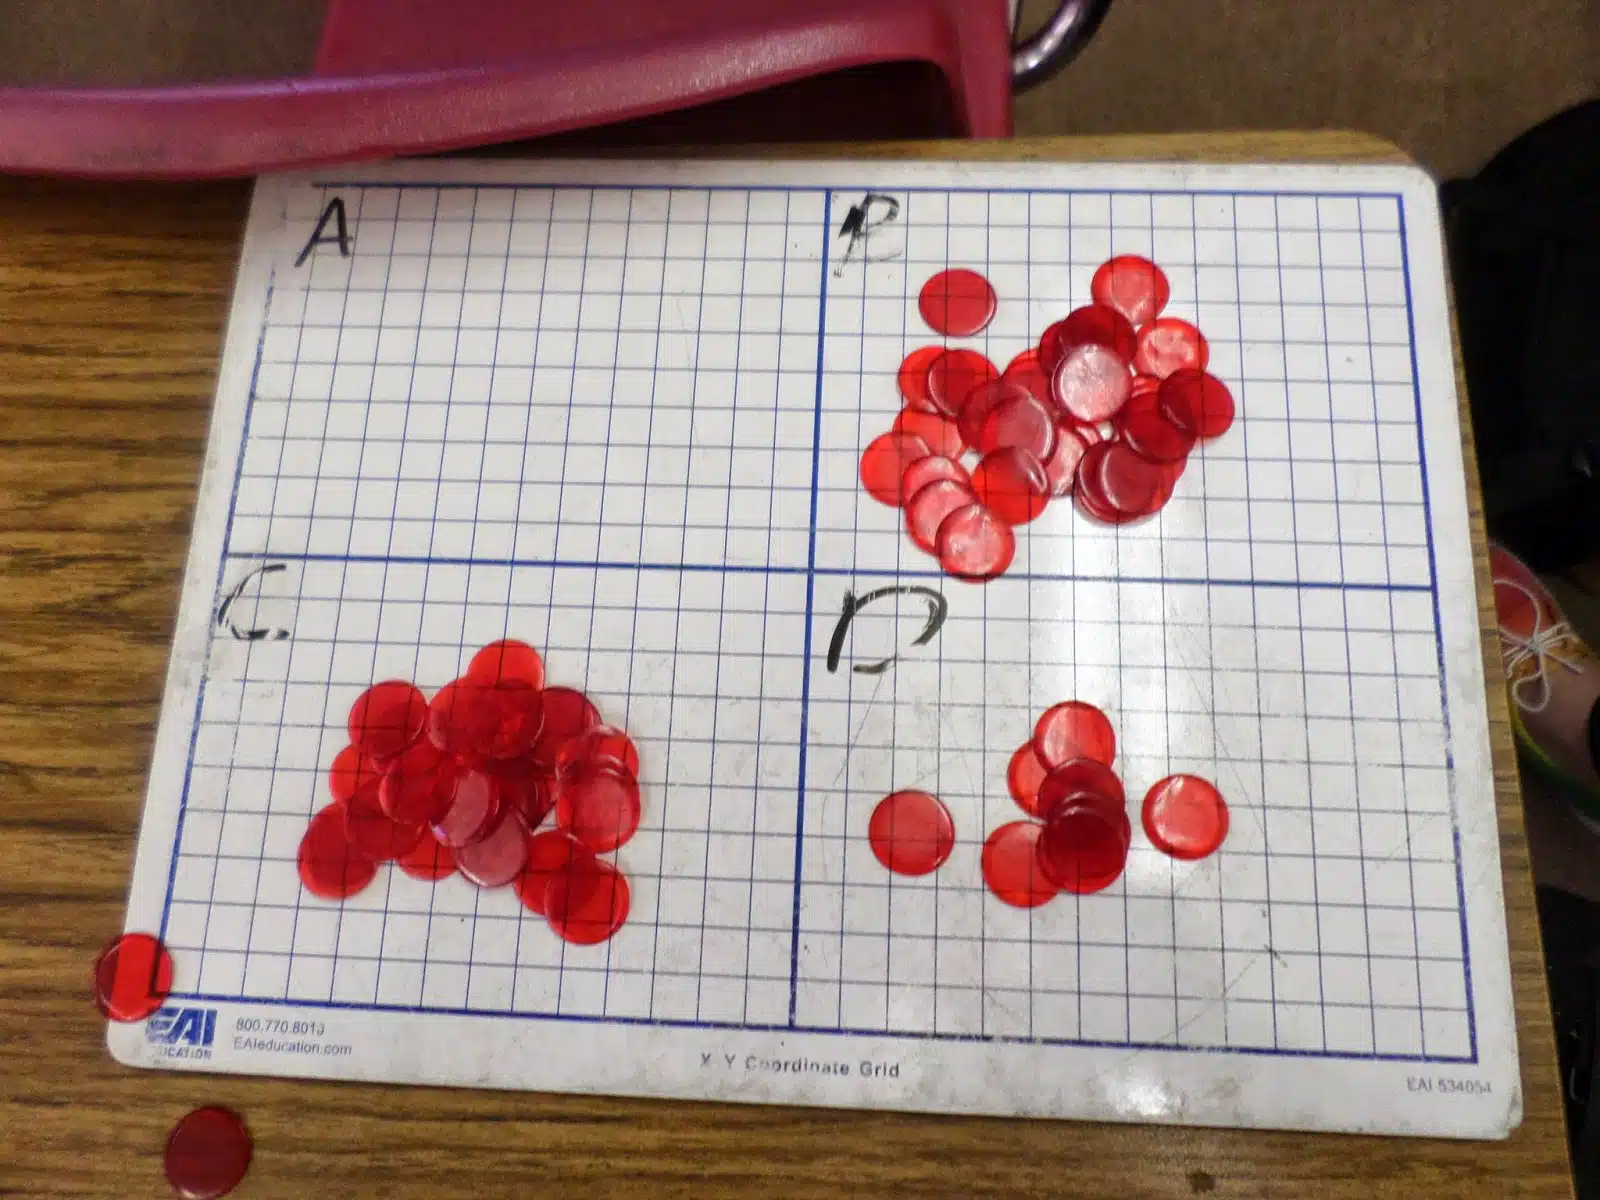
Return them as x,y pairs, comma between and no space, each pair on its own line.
466,781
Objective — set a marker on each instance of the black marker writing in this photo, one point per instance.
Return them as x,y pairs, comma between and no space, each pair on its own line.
938,609
340,237
859,224
268,634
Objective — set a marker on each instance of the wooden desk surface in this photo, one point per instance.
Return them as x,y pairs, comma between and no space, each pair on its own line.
112,301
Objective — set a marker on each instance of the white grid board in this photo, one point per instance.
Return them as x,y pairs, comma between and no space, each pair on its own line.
617,411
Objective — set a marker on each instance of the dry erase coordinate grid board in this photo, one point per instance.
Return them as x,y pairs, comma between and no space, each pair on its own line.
618,412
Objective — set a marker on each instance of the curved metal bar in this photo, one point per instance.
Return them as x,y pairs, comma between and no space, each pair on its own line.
1054,46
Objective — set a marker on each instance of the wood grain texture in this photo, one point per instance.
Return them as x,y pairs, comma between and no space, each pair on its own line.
112,301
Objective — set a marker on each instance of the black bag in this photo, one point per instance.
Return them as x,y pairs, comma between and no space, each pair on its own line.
1524,245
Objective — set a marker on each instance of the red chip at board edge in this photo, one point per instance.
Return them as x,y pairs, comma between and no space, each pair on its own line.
1133,286
132,977
957,303
974,544
207,1153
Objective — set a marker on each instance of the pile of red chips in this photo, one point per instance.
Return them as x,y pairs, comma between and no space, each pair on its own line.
463,782
1078,837
1106,410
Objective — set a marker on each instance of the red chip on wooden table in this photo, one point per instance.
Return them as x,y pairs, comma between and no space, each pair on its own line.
1024,774
913,378
911,832
207,1154
974,544
1067,779
587,902
386,718
1012,483
132,977
329,866
926,470
884,463
1074,729
1185,816
1083,849
1196,402
1091,385
954,375
598,804
496,858
428,860
926,511
939,432
1168,344
1133,285
549,854
507,659
957,302
1010,865
371,832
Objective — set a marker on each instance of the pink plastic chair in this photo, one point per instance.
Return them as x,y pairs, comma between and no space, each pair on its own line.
413,76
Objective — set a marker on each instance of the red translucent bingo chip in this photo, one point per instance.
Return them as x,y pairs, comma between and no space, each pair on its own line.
957,303
1022,422
549,854
475,720
348,771
884,463
926,470
1023,777
1132,285
974,544
1148,431
1061,468
1091,385
1087,495
1027,372
980,402
1092,325
1083,850
604,744
1130,483
567,713
527,793
1011,482
474,809
598,805
132,977
507,659
329,866
428,860
1185,816
1011,866
413,790
939,433
498,858
1197,402
1168,344
952,377
371,832
1073,729
913,378
587,902
1078,775
926,511
911,832
386,718
207,1154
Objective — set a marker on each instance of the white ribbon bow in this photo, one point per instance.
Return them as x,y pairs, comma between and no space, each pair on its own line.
1539,646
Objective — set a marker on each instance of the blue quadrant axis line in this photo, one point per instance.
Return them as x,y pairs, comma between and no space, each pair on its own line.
811,595
812,571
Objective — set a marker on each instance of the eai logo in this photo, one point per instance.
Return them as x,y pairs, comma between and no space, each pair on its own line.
184,1029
